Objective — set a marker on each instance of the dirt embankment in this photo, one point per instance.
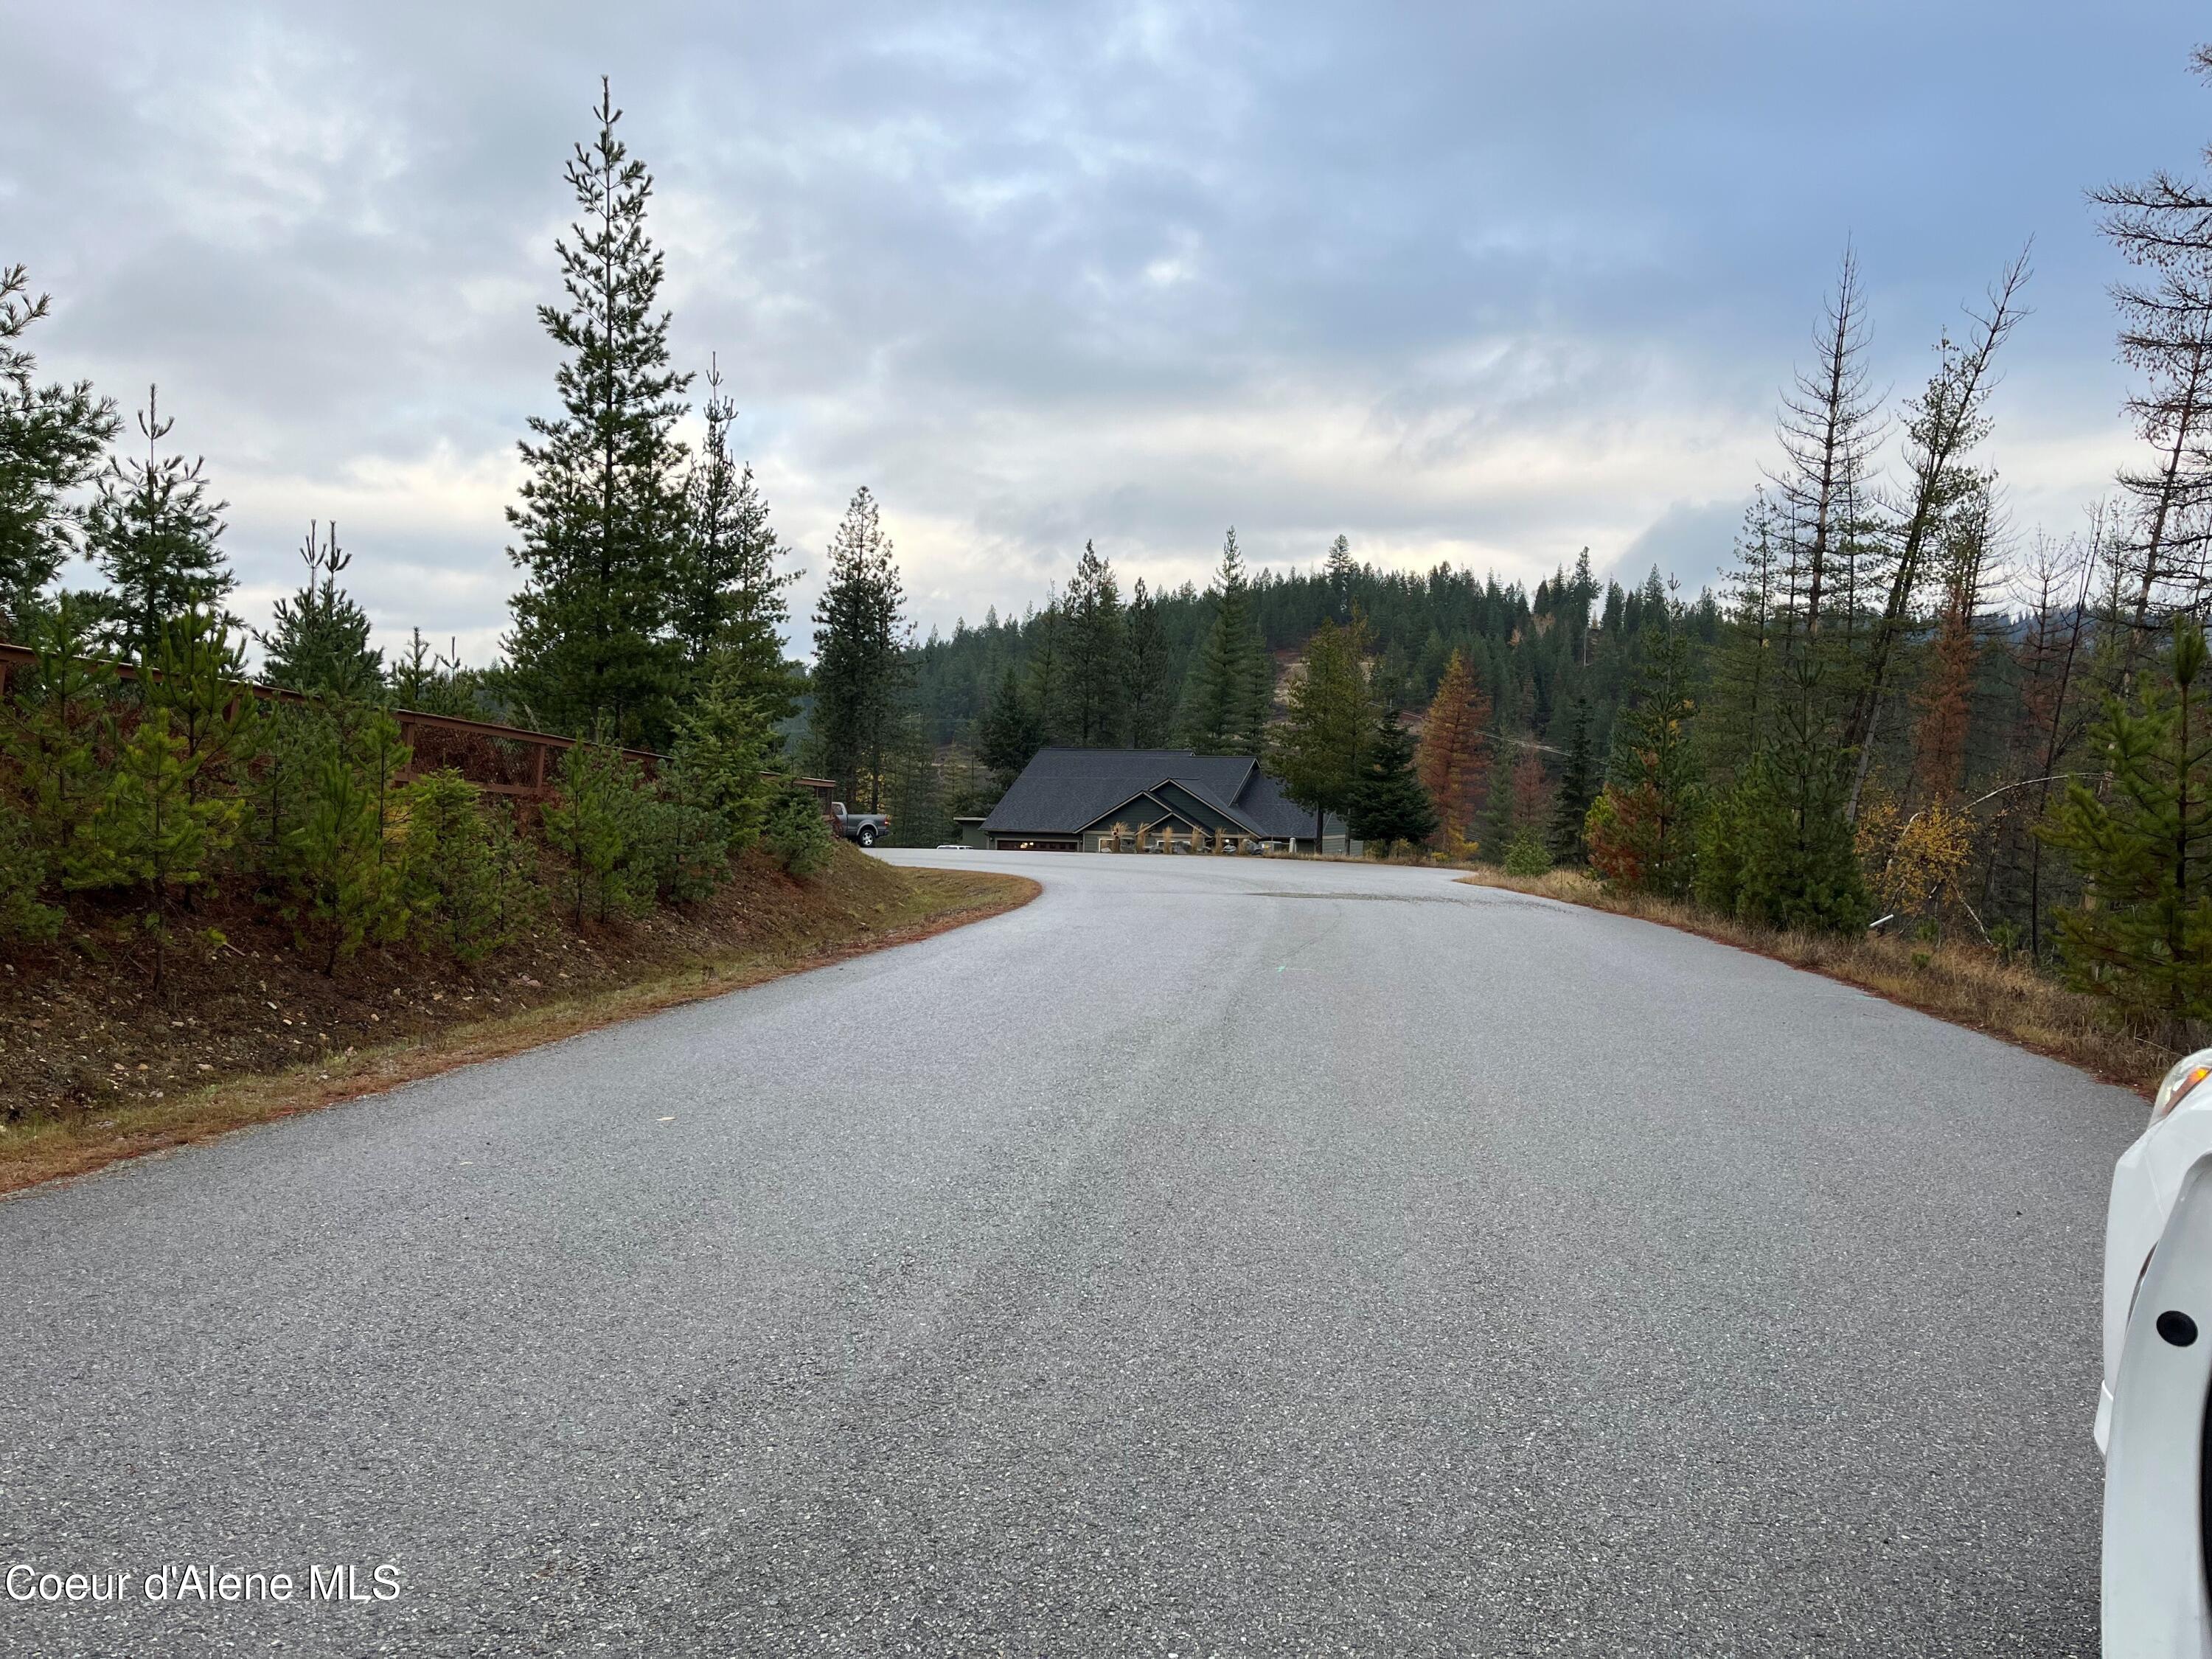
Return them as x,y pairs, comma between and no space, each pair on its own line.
96,1064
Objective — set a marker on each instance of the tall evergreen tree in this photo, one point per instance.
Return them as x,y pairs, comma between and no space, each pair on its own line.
2145,847
1047,668
1226,697
50,441
1746,668
1642,828
1388,807
1011,733
1091,711
1318,749
1341,568
155,532
321,641
1577,789
1454,757
730,610
600,529
1147,699
861,668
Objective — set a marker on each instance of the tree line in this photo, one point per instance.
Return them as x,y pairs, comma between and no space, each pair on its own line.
138,774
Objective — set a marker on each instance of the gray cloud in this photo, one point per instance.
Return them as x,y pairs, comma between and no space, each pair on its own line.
1483,283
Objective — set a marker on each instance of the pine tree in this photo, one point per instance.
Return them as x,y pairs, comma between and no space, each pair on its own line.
1577,789
1090,687
1318,750
53,730
1011,733
1777,849
200,679
319,644
730,609
861,643
464,890
1748,667
1642,827
723,742
50,441
2145,849
151,832
601,523
154,533
346,876
1454,757
1047,668
1147,700
1226,697
798,836
1390,807
592,822
1341,571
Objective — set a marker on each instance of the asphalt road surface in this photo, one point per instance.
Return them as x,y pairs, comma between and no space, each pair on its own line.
1216,1256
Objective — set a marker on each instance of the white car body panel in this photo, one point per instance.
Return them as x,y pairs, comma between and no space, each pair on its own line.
2154,1594
2146,1182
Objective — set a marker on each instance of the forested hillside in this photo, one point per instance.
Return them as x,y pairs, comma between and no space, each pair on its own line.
1531,654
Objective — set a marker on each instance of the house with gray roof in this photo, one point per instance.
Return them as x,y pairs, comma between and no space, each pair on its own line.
1066,800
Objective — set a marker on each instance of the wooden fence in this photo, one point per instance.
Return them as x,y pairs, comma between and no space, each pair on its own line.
498,760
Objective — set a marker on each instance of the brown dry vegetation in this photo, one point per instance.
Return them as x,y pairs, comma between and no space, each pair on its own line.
95,1066
1967,984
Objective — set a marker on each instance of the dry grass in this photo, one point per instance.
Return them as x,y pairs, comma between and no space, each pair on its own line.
1963,984
41,1149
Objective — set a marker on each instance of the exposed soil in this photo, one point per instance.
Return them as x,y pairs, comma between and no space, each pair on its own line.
96,1062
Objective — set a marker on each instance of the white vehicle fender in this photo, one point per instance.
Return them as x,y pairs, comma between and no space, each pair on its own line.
2154,1602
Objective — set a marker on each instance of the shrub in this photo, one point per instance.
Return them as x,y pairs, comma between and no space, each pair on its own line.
1527,855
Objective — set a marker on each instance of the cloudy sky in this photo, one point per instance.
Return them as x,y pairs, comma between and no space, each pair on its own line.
1480,282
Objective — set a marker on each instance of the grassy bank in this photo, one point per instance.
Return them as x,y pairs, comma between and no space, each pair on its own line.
96,1065
1963,984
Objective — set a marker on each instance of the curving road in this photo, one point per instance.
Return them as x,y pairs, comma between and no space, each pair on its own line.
1213,1257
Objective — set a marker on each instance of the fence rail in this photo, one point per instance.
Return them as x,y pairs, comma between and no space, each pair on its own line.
498,760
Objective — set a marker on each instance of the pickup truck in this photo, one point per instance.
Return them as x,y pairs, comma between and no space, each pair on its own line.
866,827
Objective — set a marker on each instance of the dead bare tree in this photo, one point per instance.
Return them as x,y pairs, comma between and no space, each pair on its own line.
1942,427
1830,429
2162,227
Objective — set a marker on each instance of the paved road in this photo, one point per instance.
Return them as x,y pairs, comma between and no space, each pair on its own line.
1214,1257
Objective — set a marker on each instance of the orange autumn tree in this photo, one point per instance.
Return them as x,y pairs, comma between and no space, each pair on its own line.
1454,758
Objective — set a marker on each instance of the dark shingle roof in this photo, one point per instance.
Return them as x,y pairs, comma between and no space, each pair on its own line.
1064,791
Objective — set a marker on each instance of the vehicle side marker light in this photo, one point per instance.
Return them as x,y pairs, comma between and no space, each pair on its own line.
2177,1328
2178,1082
